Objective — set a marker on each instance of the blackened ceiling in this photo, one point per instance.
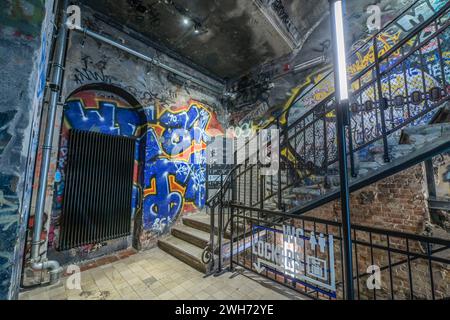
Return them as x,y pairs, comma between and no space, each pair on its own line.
233,36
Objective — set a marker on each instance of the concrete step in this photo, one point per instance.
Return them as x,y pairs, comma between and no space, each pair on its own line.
289,195
369,165
314,180
430,131
362,172
200,222
402,148
333,180
184,251
194,236
314,191
270,205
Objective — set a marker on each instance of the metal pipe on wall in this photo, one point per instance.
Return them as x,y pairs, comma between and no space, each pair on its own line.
55,87
99,37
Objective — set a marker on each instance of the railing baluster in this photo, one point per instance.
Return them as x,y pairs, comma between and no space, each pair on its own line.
391,280
356,264
405,79
424,85
441,63
220,226
411,290
430,269
350,145
389,105
372,262
363,128
342,263
231,240
251,186
382,104
325,144
279,206
245,181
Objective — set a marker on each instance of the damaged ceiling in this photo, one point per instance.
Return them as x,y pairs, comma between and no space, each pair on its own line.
227,38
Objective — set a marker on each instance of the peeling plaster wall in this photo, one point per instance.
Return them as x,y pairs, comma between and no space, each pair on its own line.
91,62
237,34
25,30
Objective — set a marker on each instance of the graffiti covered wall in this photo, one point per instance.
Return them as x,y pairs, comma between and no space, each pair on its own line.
166,182
165,185
25,28
306,89
175,162
315,85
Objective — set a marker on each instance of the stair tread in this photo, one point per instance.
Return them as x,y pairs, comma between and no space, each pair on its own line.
200,234
203,218
355,184
186,247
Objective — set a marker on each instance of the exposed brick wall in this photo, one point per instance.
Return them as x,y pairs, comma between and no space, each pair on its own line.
396,203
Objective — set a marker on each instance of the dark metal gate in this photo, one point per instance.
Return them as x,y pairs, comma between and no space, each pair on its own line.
98,189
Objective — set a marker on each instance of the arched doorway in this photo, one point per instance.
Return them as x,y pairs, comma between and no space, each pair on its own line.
102,115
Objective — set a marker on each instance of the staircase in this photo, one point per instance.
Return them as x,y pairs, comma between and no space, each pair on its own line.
412,141
188,241
385,136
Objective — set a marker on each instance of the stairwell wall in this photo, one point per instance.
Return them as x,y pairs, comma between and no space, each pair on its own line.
396,203
175,185
25,32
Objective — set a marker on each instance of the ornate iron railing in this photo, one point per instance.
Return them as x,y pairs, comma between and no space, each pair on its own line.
378,113
391,91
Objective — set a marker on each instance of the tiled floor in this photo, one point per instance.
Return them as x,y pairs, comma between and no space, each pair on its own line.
156,275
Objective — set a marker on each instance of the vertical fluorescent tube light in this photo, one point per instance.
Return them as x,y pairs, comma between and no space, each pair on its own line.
341,90
341,54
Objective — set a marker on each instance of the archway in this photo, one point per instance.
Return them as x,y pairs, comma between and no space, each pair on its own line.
111,112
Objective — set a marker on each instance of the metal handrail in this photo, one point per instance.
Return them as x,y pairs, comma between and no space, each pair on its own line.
411,247
353,53
318,114
321,109
366,42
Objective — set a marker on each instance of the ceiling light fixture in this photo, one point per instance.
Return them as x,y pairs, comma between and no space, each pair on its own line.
185,21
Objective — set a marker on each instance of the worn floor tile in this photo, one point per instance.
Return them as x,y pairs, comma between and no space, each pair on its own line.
155,275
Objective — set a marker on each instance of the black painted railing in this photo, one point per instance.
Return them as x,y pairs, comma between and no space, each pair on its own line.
309,259
393,89
378,115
